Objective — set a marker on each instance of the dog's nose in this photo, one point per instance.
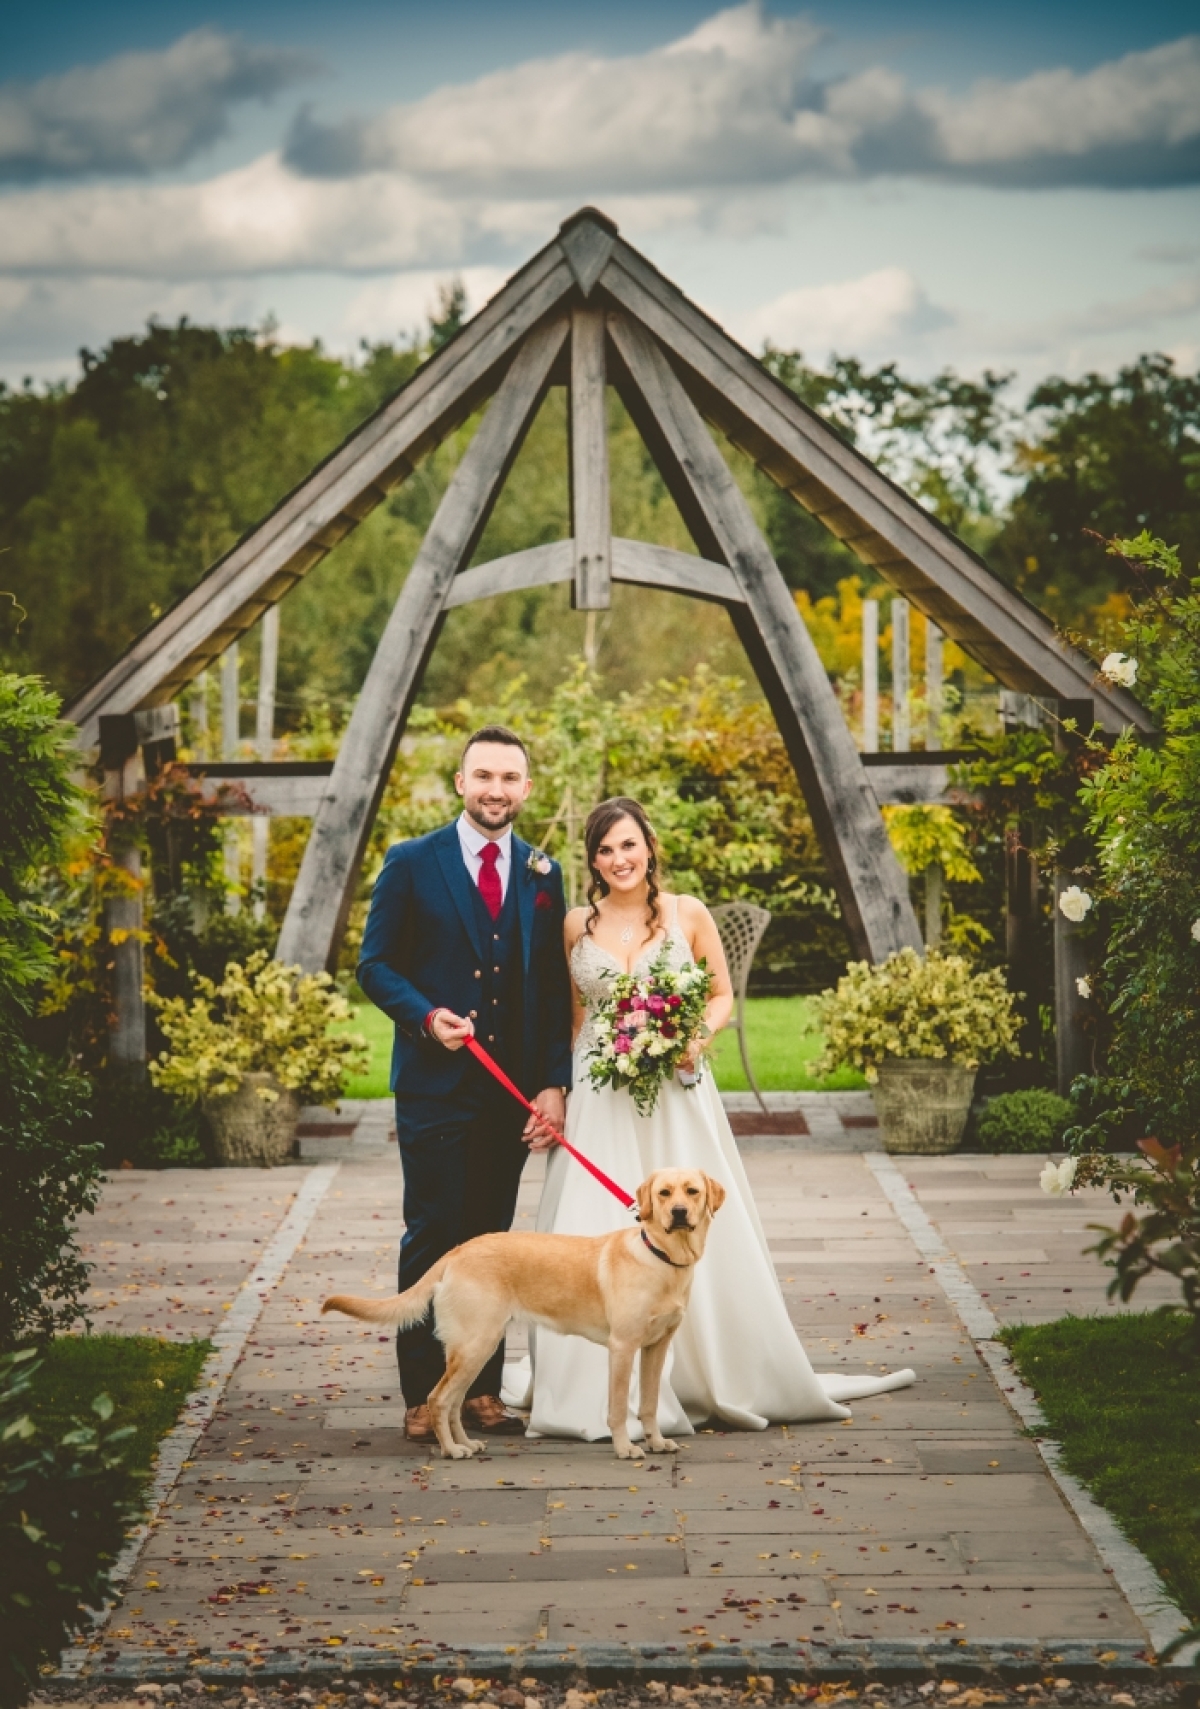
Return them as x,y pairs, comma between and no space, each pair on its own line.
679,1214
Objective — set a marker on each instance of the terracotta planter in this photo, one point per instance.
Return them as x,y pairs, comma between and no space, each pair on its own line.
922,1104
248,1131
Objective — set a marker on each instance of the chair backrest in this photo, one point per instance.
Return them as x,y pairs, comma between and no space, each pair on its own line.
740,926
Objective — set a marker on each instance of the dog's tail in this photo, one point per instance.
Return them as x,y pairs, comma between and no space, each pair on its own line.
402,1310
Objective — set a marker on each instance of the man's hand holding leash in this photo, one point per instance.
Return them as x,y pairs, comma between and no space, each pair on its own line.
542,1129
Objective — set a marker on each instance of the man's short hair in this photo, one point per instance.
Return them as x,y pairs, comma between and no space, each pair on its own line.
495,733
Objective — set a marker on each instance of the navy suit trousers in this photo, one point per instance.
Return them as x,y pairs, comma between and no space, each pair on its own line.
462,1160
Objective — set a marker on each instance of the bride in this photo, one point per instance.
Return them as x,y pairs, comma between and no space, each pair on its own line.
736,1357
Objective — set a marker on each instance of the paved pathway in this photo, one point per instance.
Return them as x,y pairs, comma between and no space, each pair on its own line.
306,1525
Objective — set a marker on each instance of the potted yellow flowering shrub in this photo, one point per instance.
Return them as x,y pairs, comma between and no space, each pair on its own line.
918,1027
254,1049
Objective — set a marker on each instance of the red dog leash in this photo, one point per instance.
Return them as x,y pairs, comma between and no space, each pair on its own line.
494,1069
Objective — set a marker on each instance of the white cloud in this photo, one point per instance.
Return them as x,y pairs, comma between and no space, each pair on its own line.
869,315
256,218
735,102
389,308
137,112
1134,119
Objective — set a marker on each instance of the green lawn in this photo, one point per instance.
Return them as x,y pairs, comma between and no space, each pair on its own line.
1123,1398
781,1038
146,1379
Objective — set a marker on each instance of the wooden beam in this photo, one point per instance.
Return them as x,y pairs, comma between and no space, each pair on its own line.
885,526
316,916
591,508
539,566
279,789
632,561
330,502
675,572
872,889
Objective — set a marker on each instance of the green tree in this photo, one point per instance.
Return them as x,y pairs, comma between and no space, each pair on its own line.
1105,455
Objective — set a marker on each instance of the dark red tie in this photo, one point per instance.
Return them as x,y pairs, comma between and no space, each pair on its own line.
489,879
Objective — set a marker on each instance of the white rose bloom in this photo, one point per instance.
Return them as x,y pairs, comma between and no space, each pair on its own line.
1196,930
1058,1178
1121,669
1074,903
1084,986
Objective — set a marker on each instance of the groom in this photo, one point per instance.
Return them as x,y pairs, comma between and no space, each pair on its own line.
465,935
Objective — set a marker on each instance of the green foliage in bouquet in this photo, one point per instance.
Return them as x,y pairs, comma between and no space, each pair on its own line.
647,1026
935,1006
262,1018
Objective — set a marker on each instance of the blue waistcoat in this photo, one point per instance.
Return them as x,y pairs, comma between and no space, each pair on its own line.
498,1020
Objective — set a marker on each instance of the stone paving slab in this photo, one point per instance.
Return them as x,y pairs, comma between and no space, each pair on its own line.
307,1518
1022,1249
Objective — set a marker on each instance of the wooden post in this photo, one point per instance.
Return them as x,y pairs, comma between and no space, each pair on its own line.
231,708
199,711
1073,1051
1022,907
591,509
901,730
1072,1045
264,736
316,916
935,683
123,914
871,888
870,676
933,904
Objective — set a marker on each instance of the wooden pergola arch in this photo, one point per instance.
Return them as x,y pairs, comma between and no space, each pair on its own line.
589,311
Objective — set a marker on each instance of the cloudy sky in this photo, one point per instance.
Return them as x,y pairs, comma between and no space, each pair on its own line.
1015,186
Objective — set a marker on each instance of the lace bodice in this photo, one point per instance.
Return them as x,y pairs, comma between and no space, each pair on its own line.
593,970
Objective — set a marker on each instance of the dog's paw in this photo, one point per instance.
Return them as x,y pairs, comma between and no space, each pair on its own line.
457,1451
663,1445
477,1447
629,1451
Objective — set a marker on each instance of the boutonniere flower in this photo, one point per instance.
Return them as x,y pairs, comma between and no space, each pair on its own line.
539,861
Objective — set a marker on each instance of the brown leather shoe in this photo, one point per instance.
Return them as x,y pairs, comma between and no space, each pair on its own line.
486,1412
418,1425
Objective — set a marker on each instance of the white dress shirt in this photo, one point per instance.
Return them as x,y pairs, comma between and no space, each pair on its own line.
472,841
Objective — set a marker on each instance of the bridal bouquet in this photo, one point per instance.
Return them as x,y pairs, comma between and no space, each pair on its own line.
646,1026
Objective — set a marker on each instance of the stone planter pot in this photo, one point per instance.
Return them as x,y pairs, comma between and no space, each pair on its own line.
247,1130
922,1105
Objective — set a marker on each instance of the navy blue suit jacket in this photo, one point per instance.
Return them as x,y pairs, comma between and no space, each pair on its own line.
422,949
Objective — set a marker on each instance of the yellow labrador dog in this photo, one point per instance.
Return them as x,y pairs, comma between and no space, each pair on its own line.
626,1290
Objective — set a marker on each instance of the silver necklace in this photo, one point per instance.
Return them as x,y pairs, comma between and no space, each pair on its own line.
627,935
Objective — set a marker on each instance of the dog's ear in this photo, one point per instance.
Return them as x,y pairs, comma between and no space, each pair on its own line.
645,1202
716,1195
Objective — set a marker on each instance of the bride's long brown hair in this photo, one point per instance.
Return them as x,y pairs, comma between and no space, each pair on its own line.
600,822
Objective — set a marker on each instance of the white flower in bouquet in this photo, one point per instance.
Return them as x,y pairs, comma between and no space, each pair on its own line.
1121,669
1084,986
1074,903
1058,1178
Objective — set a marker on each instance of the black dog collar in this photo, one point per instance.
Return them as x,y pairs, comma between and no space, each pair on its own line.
651,1246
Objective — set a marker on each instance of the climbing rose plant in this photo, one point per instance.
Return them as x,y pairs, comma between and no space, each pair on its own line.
1143,807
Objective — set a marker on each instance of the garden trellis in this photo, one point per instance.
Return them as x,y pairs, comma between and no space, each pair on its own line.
589,312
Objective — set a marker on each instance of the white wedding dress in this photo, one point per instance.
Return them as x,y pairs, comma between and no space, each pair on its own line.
735,1357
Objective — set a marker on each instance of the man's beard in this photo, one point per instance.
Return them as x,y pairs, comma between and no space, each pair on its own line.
492,818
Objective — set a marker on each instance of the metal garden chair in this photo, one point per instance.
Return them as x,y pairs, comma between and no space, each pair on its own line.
740,926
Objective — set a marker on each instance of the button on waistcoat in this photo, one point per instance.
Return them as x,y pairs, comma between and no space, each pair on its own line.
499,1021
